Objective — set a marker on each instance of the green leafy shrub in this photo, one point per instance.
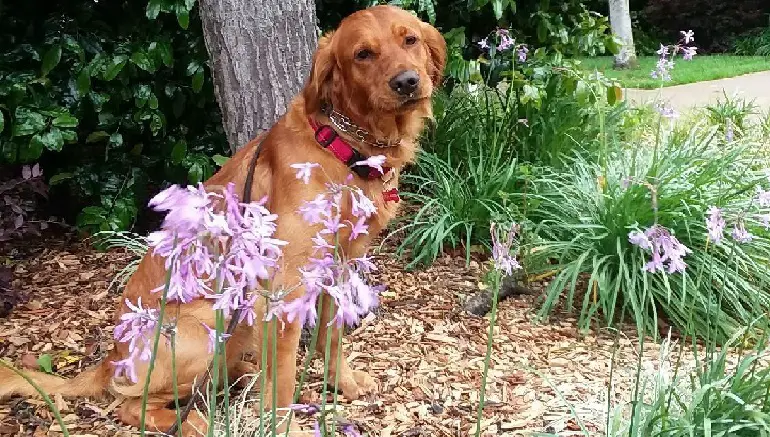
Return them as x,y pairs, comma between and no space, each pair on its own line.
115,100
484,142
731,115
724,394
715,22
112,103
753,43
461,177
584,216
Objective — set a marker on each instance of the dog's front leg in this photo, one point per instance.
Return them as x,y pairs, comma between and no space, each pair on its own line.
352,383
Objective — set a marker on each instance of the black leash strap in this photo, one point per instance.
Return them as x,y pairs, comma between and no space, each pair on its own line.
197,389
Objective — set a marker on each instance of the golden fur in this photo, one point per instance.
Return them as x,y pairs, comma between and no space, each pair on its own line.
355,87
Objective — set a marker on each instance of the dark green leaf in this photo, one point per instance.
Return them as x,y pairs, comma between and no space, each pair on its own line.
58,178
51,59
46,363
116,139
612,44
65,120
614,94
141,95
91,216
69,135
28,122
153,102
542,31
2,121
84,82
72,46
197,81
95,137
183,17
153,9
141,60
156,123
220,160
497,7
195,173
114,67
52,139
166,53
179,151
99,99
33,150
192,68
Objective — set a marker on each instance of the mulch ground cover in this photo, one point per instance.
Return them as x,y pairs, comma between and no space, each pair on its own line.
426,352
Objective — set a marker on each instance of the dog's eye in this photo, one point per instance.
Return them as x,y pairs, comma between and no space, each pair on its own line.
363,54
410,40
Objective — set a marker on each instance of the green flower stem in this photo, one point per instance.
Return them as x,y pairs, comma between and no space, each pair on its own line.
338,359
496,279
174,381
218,348
274,375
262,376
306,363
151,365
225,379
327,355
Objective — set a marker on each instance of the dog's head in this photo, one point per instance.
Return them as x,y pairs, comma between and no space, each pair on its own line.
380,61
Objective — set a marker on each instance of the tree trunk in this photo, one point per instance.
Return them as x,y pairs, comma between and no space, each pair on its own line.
260,53
620,21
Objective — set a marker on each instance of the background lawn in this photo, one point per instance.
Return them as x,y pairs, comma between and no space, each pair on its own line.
699,69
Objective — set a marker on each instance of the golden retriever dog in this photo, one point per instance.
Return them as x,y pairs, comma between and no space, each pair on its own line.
370,84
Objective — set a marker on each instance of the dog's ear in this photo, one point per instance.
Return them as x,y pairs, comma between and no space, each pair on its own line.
436,46
319,84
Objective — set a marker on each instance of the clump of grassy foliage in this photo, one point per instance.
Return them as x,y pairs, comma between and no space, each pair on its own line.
702,392
481,149
584,216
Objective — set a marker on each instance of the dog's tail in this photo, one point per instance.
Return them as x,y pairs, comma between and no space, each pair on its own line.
92,382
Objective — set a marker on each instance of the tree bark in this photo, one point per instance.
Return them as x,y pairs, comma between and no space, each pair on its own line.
620,21
260,53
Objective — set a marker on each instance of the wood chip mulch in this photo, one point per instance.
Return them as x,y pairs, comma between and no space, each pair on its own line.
425,351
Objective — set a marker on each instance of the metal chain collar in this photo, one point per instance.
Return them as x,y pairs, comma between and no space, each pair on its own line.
344,124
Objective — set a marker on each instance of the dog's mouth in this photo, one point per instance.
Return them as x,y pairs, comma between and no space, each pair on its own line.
410,101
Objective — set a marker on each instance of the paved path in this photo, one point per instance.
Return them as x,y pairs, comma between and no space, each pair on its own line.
683,97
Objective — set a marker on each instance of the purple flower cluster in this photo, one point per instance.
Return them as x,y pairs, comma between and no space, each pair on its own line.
135,328
348,429
667,54
206,238
740,234
715,224
501,251
329,271
667,251
505,42
667,111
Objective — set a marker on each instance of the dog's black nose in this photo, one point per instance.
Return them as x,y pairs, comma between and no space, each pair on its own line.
405,83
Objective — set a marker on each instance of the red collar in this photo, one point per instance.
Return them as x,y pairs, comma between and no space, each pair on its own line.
328,138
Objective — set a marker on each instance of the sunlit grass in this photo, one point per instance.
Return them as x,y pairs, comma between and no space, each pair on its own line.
699,69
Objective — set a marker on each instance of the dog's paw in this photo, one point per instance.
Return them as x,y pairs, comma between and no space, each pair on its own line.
357,384
243,373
